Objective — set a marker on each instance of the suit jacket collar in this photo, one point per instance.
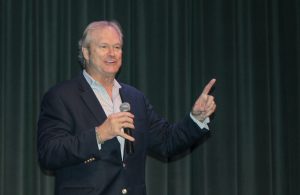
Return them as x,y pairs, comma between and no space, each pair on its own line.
91,100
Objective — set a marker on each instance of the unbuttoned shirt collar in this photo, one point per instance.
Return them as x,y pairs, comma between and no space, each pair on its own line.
109,105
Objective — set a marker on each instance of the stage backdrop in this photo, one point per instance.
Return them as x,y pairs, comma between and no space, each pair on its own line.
172,49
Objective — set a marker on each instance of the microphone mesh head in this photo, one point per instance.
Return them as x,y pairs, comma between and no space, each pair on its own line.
125,107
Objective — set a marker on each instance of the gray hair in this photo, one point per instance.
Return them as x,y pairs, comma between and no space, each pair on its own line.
85,39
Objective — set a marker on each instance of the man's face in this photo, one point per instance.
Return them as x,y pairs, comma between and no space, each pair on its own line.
104,53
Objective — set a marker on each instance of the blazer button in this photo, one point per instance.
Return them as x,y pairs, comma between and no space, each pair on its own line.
124,165
124,191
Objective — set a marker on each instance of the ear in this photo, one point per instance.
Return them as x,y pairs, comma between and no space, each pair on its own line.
85,53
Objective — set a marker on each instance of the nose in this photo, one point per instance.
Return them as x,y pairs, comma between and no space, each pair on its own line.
111,51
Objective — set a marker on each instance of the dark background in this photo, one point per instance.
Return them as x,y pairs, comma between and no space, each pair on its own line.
172,49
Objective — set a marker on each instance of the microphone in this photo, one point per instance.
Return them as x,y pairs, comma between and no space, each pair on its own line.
125,107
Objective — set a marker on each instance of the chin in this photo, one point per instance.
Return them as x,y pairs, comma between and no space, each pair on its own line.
113,70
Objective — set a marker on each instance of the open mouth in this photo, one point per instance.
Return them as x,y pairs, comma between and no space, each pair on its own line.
110,61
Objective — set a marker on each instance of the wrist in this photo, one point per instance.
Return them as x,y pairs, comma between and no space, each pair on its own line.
98,136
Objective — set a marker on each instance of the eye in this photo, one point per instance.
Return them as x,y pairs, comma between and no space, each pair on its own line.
118,47
103,46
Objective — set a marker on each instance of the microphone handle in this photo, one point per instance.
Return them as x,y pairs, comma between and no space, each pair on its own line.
128,144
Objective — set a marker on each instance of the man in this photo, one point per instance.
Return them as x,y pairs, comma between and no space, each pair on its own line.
80,128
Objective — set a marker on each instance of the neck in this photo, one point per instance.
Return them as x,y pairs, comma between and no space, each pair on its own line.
106,82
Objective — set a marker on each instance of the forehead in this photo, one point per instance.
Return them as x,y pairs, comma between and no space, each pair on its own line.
105,34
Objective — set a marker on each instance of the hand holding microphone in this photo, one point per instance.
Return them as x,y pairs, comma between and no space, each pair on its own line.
112,126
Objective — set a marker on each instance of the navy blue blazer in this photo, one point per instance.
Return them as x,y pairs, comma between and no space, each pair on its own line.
67,142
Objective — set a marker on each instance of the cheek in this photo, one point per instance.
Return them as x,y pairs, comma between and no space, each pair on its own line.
98,55
120,56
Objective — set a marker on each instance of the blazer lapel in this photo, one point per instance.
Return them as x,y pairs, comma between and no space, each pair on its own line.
91,100
125,96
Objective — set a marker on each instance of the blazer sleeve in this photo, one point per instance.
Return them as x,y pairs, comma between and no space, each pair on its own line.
58,145
168,139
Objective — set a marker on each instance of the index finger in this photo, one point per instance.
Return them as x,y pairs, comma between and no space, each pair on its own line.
121,114
208,87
